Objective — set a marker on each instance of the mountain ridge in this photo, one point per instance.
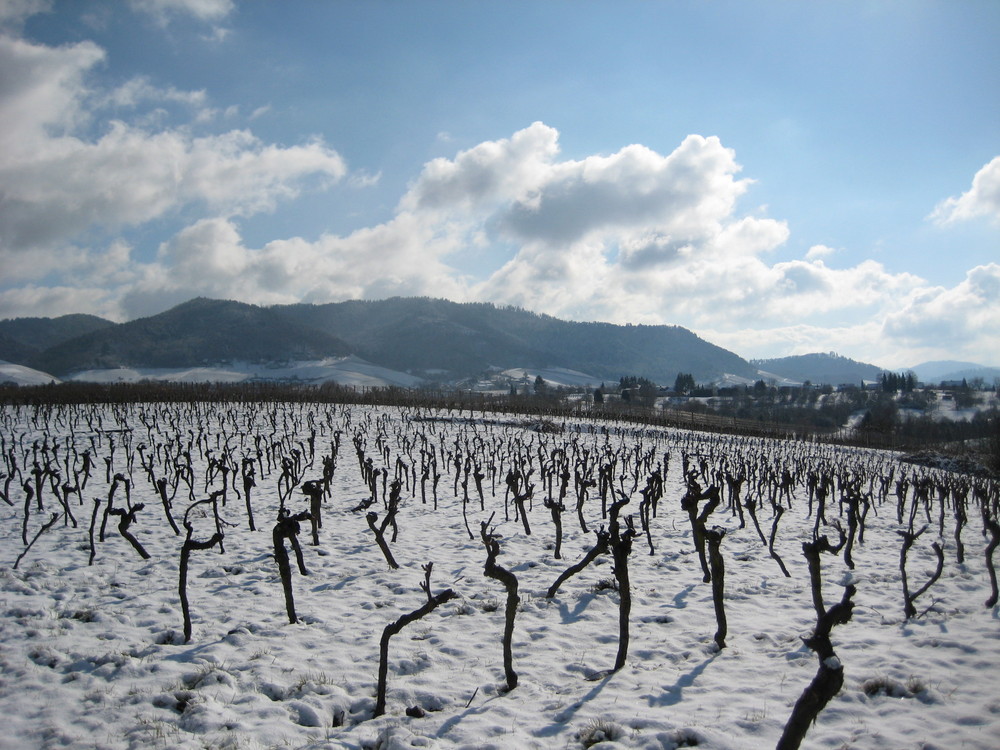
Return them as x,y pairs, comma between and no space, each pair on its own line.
23,338
198,332
818,367
422,334
434,339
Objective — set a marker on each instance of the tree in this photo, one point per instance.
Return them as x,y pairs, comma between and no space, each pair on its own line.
637,389
598,396
684,383
881,417
540,386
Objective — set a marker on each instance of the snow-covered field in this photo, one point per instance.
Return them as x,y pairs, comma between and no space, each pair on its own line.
21,375
349,370
92,656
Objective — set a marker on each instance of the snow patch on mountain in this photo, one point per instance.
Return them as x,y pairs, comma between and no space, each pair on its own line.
21,375
350,370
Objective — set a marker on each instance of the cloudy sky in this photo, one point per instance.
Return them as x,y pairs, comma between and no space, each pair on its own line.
780,177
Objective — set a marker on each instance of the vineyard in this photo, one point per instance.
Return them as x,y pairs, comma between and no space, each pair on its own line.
306,575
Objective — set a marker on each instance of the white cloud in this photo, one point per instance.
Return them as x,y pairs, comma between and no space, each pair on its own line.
861,340
140,89
14,12
961,322
202,10
53,301
130,176
683,195
57,185
210,258
494,172
982,199
41,93
968,313
817,252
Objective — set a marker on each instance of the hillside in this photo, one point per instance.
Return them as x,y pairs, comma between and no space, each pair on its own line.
196,333
23,338
425,335
935,372
431,338
820,368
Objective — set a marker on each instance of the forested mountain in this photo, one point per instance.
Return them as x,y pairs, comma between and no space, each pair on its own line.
435,338
195,333
820,368
422,334
23,338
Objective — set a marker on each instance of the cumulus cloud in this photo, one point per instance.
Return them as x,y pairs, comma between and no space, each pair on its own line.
140,89
210,258
57,184
965,313
682,195
490,174
982,199
41,92
13,13
929,322
52,301
202,10
819,251
861,340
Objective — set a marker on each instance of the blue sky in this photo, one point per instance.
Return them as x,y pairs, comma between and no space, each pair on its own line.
779,177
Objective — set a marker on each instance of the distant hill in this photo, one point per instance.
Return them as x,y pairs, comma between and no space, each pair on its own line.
819,368
196,333
436,339
935,372
424,335
23,338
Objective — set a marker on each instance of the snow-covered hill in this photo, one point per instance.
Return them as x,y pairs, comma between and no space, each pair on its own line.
348,370
21,375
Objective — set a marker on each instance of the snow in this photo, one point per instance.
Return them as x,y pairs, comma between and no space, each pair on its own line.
554,377
350,370
22,375
93,655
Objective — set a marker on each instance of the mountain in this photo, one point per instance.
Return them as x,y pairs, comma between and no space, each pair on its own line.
22,338
195,333
819,368
13,350
935,372
427,335
436,339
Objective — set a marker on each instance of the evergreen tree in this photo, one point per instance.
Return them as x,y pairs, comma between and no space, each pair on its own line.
684,383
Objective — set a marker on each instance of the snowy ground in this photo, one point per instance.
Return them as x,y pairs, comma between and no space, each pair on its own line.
349,370
92,655
21,375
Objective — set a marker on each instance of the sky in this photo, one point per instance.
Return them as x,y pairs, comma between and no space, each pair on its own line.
779,177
